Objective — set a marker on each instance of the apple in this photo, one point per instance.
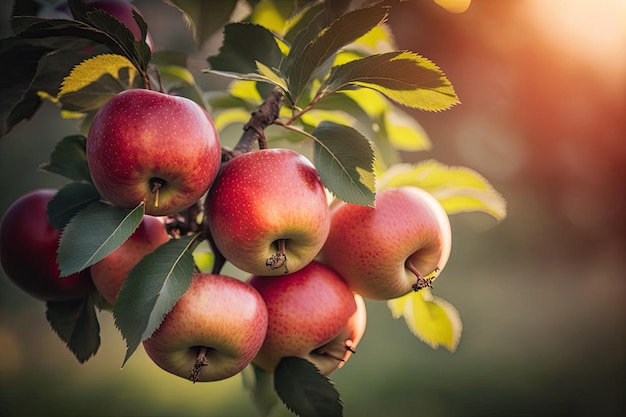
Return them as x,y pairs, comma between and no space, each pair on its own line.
28,251
149,146
312,314
388,251
109,274
213,332
267,212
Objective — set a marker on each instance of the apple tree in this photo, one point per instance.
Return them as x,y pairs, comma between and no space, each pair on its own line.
292,176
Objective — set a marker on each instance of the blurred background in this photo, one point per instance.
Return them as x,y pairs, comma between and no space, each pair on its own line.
541,294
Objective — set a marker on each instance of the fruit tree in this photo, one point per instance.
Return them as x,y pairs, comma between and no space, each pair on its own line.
292,176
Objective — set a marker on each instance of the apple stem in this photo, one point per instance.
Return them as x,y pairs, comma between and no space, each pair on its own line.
421,281
157,183
278,259
201,362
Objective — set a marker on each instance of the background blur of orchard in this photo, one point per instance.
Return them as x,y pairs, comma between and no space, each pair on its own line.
541,295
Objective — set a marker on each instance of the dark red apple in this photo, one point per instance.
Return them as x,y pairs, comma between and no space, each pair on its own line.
28,251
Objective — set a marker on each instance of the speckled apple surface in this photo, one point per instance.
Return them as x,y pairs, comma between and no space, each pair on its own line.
369,246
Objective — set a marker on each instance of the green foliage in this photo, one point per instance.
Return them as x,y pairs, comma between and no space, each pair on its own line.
152,288
344,158
108,228
76,323
203,17
69,159
68,201
304,390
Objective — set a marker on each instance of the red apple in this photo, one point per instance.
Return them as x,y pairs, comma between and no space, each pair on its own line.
213,331
109,274
28,251
387,251
267,212
148,146
313,314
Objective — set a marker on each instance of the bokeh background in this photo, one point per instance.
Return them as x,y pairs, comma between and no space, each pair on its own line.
541,294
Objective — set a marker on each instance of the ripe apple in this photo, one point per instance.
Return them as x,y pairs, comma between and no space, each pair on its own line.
313,314
213,331
267,212
149,146
28,251
387,251
109,274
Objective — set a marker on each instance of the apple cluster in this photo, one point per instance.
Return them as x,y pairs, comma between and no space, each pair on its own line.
310,263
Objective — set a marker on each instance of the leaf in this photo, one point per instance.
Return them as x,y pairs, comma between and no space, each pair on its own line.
244,45
18,65
302,62
404,132
76,323
260,385
304,390
458,189
344,160
431,319
405,77
92,69
121,39
68,201
93,233
69,159
204,17
151,290
108,31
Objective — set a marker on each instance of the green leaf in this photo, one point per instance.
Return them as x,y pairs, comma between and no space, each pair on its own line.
405,77
260,385
121,39
302,63
76,323
151,290
93,233
304,390
18,65
431,319
68,201
204,17
69,159
458,189
344,160
244,45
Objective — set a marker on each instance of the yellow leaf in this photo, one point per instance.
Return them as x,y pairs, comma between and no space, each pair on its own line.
90,70
404,132
458,189
433,320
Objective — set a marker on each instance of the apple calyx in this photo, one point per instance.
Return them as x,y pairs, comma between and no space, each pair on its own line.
201,362
279,259
421,281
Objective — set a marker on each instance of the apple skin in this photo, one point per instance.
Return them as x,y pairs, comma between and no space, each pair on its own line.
109,274
28,251
262,197
369,246
139,135
220,312
313,314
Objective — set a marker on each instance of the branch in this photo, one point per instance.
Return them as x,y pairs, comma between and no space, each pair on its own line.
266,114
